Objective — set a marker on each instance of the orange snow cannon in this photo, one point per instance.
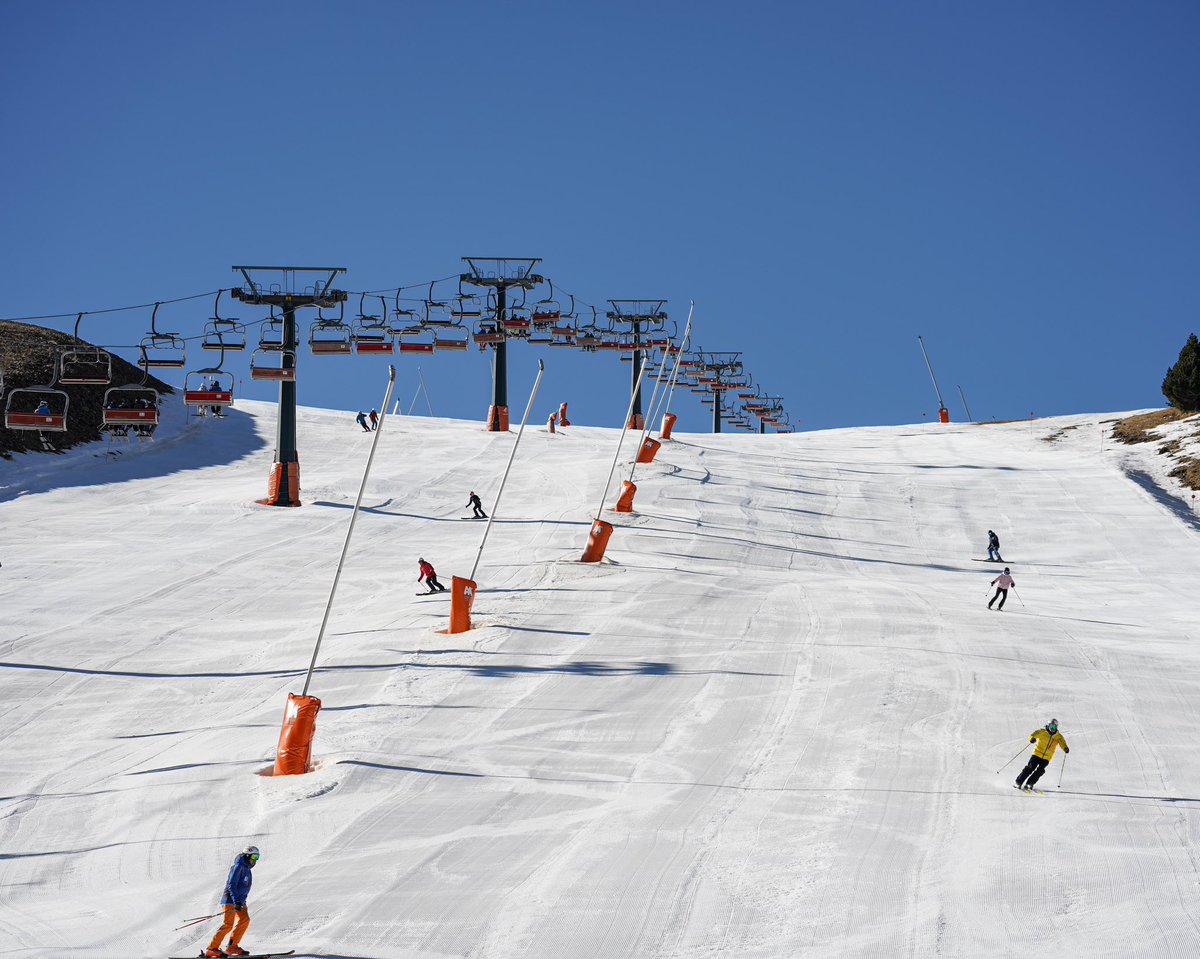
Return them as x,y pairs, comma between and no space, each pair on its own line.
562,416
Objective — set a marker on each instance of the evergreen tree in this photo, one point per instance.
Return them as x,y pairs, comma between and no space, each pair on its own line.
1181,386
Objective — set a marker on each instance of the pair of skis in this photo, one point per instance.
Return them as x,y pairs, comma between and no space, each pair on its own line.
255,955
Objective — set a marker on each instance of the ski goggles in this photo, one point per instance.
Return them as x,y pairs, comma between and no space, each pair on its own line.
253,857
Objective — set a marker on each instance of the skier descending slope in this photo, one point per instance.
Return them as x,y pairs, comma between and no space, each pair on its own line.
1002,583
429,574
1045,740
233,899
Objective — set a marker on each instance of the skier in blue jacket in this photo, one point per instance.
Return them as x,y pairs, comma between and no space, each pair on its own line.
233,901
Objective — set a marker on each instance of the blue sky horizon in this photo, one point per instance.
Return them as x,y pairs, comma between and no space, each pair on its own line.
825,181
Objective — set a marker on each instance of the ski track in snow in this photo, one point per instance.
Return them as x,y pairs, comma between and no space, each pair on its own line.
768,724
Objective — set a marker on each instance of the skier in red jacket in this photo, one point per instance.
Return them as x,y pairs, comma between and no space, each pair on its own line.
429,574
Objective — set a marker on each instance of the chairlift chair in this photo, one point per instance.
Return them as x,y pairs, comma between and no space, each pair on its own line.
226,335
261,369
486,334
517,322
418,340
84,366
132,405
452,338
270,337
21,412
466,307
161,350
329,338
218,392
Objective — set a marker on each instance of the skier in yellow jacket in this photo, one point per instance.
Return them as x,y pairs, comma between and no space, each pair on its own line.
1045,741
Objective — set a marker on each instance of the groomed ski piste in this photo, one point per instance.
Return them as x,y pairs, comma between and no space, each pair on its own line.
768,724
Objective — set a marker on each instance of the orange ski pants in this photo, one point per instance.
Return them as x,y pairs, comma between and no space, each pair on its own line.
232,916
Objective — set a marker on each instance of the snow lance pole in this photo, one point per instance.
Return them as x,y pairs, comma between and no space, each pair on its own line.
929,366
683,344
970,418
511,456
192,922
1013,760
657,401
1060,771
350,529
617,455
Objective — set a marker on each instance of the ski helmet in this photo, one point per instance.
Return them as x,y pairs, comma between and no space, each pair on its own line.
1052,725
1006,569
251,852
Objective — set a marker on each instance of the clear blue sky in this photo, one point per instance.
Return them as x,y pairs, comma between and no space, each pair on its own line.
1017,182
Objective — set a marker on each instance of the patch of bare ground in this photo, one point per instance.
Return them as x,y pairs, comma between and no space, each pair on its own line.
1136,429
1188,472
1055,437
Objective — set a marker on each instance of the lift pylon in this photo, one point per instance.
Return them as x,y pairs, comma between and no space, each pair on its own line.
718,372
289,293
499,273
638,316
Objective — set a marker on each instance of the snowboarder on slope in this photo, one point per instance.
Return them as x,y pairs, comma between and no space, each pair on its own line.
1002,584
477,506
361,420
994,547
429,574
374,419
1045,741
233,900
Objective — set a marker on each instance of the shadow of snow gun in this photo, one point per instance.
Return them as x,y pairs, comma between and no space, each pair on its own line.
293,754
462,589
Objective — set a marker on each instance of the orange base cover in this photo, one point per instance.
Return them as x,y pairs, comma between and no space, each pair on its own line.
284,477
462,599
648,451
293,755
667,423
497,419
625,501
597,541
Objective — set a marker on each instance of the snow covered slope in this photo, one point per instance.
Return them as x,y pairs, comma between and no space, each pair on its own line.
769,725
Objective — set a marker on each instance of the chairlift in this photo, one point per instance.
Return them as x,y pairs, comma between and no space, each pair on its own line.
546,311
517,322
419,340
451,338
371,334
134,404
41,408
466,307
213,388
486,334
437,312
223,333
329,337
403,318
84,365
271,337
262,369
161,350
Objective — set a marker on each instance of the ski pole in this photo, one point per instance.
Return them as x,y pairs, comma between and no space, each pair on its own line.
1061,769
1019,600
192,922
1011,761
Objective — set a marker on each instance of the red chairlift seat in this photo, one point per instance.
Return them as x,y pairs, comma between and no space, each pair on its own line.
374,344
208,394
84,367
131,415
410,347
278,374
450,342
45,421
